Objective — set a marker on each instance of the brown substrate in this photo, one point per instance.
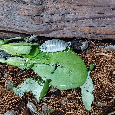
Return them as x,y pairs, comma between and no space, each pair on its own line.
65,102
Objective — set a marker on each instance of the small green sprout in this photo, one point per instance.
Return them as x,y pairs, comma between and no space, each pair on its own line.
91,66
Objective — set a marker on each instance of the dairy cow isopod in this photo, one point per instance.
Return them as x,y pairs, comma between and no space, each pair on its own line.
54,45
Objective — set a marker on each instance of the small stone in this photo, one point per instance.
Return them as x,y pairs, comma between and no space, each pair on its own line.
12,112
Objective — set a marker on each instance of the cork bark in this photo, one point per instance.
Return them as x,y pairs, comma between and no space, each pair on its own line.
92,19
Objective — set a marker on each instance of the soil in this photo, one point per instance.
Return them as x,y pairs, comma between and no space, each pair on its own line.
67,102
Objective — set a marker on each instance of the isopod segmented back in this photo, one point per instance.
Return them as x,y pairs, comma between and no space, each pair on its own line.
54,45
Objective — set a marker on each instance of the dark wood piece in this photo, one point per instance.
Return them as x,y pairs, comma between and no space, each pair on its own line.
93,19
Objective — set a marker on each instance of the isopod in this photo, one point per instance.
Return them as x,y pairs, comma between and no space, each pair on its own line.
54,45
32,107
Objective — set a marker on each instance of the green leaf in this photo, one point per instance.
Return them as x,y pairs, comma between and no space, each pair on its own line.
86,90
1,42
64,78
32,85
43,70
70,72
18,48
17,61
45,89
15,50
33,52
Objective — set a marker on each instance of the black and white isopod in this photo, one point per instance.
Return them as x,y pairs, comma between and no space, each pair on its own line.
54,45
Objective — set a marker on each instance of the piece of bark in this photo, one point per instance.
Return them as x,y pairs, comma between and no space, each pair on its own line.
93,19
9,34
